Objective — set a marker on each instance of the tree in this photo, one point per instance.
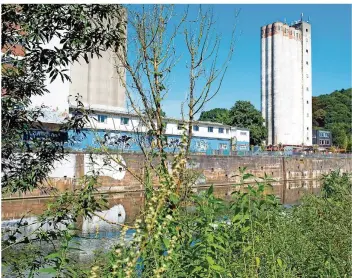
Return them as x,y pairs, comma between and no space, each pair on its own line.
339,136
29,28
244,114
333,112
319,118
219,115
27,62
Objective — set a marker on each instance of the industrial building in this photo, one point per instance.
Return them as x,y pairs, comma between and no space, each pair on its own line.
99,88
286,82
96,83
124,132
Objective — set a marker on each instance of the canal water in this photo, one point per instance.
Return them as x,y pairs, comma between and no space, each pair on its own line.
95,234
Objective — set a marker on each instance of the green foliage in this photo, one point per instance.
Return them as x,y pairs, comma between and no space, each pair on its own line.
61,215
25,164
242,114
333,112
219,115
253,235
250,236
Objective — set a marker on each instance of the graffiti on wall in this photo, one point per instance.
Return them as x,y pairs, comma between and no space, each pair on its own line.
118,140
173,142
125,141
76,141
201,145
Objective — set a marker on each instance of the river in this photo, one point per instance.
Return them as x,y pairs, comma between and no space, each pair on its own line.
124,208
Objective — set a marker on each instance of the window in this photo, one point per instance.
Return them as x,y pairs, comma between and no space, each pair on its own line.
210,129
307,138
195,128
307,101
124,121
307,50
222,146
102,118
306,30
327,142
243,133
321,142
307,75
307,128
306,39
306,62
307,115
221,130
307,87
180,126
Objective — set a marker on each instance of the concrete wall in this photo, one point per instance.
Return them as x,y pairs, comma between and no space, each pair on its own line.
97,83
217,170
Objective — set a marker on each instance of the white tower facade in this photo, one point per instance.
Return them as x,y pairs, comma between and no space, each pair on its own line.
286,83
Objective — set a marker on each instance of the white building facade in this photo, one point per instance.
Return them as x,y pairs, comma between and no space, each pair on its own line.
286,83
124,131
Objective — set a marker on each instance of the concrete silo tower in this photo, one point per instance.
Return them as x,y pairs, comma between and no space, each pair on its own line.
286,82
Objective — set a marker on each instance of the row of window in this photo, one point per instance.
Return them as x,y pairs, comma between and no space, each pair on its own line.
210,129
324,142
125,121
324,134
103,119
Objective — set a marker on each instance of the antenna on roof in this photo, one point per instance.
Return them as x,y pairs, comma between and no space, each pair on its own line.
308,19
285,20
302,17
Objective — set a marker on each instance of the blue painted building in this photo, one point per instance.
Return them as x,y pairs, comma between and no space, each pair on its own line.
133,142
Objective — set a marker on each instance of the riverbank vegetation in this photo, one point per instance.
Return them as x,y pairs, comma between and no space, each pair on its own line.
253,235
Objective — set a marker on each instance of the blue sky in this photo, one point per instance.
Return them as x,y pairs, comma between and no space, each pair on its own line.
331,51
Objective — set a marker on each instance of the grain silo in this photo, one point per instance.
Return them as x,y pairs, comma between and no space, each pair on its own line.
286,82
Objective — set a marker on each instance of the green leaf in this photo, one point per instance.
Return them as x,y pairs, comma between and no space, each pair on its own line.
246,249
47,270
53,255
217,267
196,269
247,176
174,198
216,246
279,262
210,260
210,190
166,242
257,261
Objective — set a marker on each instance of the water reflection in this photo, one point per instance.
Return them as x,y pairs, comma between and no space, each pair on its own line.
104,223
125,207
96,234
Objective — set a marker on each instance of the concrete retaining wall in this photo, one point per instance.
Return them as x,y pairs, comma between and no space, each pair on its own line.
217,170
